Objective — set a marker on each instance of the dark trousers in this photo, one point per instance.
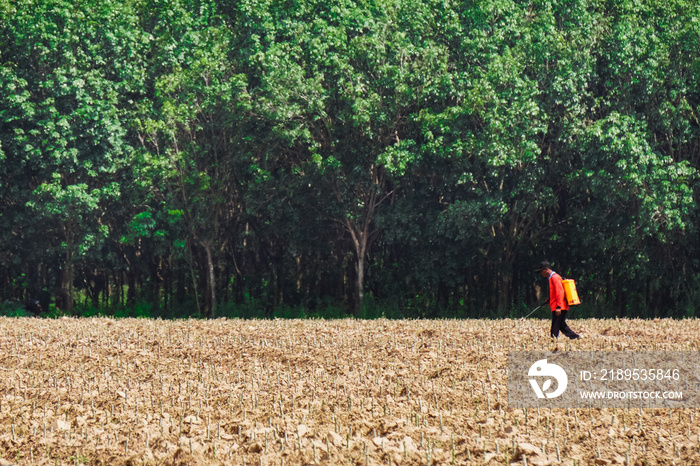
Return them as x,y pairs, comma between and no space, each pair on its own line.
559,324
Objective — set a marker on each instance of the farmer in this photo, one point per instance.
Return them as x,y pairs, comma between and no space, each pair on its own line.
557,302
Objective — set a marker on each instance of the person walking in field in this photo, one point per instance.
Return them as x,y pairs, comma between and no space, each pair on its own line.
557,302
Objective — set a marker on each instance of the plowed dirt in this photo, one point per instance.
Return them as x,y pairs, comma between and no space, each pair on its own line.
189,392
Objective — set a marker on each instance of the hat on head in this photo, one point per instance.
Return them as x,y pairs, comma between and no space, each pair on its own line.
543,265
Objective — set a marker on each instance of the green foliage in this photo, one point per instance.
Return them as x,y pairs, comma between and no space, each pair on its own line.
266,158
13,309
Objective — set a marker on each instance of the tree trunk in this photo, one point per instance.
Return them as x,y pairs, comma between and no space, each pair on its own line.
131,288
67,302
211,279
360,239
195,290
360,283
504,293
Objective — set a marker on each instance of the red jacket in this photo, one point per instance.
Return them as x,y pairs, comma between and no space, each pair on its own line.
557,297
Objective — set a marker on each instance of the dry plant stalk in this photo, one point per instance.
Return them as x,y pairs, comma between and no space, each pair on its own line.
134,391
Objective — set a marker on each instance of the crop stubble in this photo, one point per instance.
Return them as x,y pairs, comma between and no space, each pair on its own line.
136,391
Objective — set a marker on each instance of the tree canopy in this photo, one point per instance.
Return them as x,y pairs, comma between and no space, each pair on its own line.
404,157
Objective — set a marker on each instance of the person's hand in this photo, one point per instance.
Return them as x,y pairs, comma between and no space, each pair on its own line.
557,312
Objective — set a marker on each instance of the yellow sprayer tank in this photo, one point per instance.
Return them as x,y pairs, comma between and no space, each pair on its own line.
570,292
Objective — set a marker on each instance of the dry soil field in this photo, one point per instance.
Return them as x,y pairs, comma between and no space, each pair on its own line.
103,391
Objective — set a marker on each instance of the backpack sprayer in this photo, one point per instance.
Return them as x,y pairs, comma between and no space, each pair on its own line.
570,292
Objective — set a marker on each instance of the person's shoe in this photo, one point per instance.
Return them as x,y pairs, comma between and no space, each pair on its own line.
577,337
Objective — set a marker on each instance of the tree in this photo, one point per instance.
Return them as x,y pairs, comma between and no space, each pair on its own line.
69,74
340,83
193,128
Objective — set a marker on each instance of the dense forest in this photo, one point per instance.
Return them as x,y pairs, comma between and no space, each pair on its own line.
406,158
